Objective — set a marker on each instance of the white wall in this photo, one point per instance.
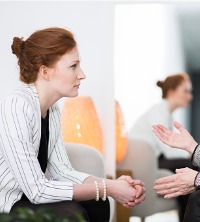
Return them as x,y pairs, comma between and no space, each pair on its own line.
92,24
147,49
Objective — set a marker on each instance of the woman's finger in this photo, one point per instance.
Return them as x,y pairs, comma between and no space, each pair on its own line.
159,127
139,191
162,187
165,133
130,180
126,205
160,134
168,191
165,186
121,177
178,126
173,195
164,129
168,179
127,178
142,192
138,182
140,199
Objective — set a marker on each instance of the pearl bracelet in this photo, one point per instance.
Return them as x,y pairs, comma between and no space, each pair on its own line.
104,190
97,191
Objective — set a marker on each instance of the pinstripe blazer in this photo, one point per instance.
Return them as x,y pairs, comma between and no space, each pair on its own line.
20,133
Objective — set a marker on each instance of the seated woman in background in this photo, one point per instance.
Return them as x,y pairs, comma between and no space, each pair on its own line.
176,93
31,144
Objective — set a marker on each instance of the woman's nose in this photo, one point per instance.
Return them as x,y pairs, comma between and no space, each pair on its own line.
81,74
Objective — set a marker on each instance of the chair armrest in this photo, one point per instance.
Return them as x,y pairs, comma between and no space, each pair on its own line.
86,159
141,160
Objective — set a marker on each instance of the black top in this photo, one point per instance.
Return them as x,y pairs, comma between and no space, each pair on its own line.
44,141
43,149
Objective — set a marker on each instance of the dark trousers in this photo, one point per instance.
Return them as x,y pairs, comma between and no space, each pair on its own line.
192,213
91,211
172,165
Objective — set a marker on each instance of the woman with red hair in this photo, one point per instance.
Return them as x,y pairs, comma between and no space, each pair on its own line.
31,145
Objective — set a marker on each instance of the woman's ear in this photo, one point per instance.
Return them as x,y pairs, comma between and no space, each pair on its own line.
44,72
171,93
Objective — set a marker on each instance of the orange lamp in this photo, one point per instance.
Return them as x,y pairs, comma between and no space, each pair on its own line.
80,122
120,133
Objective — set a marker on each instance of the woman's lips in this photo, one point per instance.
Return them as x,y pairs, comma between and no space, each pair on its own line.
77,86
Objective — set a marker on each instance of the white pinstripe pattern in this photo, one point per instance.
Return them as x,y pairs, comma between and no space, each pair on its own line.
20,133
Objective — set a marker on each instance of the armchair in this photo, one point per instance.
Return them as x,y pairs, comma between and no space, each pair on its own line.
141,160
88,160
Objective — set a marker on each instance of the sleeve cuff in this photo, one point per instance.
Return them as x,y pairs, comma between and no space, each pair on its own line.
197,180
196,156
81,176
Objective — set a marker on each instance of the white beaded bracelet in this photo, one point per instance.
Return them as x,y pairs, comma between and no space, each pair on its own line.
104,190
97,191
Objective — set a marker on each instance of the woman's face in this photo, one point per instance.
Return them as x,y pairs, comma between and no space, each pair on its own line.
182,95
66,75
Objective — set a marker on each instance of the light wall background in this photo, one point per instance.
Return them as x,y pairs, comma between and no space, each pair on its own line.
92,24
147,49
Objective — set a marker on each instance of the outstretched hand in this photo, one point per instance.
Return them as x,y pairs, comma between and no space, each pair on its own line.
182,140
178,184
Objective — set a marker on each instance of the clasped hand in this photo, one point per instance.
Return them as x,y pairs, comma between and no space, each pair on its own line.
129,192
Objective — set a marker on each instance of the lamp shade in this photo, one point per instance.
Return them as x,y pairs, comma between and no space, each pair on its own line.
80,122
120,133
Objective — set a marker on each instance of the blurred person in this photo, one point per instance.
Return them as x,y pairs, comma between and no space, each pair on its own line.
31,144
176,93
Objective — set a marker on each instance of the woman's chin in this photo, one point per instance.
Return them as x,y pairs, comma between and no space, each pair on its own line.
74,94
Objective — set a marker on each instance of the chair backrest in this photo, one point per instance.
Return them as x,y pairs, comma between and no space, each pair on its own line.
86,159
142,161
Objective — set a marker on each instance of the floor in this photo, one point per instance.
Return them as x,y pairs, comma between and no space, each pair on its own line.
171,216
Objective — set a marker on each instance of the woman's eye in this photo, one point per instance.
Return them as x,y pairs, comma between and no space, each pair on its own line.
74,66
